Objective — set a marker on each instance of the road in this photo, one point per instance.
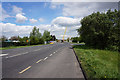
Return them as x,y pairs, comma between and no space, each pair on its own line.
46,61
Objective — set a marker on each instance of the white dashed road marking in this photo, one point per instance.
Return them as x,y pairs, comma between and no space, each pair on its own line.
45,58
3,54
51,54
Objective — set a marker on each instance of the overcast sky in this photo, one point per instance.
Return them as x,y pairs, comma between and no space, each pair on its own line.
19,18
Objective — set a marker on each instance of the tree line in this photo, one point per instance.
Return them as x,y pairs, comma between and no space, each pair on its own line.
101,30
35,38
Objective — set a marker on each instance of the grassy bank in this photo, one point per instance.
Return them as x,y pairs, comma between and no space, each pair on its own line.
98,63
12,47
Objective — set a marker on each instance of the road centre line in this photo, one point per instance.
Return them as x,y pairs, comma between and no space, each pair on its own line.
39,61
25,70
45,58
50,54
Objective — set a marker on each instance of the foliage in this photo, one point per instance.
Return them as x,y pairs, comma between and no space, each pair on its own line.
53,37
46,36
14,38
68,39
76,39
23,41
101,30
35,36
3,38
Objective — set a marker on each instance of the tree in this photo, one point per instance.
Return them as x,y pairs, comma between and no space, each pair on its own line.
14,38
3,38
100,30
53,38
74,39
35,36
46,36
68,39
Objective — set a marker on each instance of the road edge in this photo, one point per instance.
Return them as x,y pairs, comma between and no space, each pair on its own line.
84,74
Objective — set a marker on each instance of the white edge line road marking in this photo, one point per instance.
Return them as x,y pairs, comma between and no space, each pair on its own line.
17,55
25,70
39,61
3,54
51,54
45,58
54,52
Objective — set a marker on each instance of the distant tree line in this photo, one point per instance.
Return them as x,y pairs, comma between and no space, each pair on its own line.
35,38
101,30
76,39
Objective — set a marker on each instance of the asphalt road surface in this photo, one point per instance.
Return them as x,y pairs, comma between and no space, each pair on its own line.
47,61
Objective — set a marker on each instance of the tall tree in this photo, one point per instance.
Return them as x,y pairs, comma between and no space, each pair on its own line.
46,36
35,36
100,30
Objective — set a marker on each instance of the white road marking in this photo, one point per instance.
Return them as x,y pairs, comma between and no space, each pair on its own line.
45,58
16,55
37,49
51,54
3,54
54,52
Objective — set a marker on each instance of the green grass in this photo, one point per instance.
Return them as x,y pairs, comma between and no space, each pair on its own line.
98,63
13,47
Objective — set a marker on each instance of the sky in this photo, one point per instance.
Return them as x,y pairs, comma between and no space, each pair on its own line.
19,18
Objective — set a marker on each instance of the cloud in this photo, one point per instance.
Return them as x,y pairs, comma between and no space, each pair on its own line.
33,20
20,18
60,0
17,10
57,28
84,1
3,14
41,19
81,9
9,29
66,21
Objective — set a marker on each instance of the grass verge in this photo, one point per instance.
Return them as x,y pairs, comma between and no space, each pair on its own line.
98,63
